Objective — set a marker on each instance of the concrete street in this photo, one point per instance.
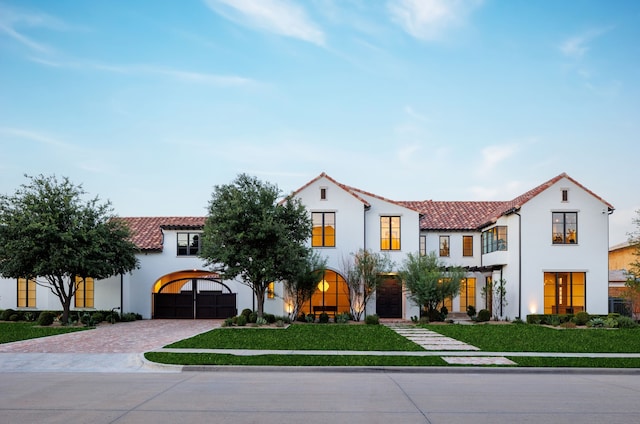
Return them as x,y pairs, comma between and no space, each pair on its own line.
322,397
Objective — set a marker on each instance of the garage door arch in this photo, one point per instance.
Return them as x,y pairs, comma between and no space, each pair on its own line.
193,294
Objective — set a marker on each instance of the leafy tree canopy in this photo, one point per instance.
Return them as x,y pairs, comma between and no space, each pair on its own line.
47,231
253,236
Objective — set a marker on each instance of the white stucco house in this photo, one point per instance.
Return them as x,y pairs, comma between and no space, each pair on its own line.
549,245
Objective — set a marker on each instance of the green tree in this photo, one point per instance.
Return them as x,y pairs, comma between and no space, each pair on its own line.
250,235
633,273
49,233
301,287
364,272
430,281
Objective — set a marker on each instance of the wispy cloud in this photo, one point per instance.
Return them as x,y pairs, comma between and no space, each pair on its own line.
35,136
578,45
15,22
429,20
493,155
281,17
150,70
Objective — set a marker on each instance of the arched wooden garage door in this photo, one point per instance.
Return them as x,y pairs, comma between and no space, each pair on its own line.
193,294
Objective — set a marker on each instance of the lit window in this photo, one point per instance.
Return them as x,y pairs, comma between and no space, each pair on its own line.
84,292
564,292
324,229
494,239
390,233
467,245
271,294
444,246
565,227
189,244
26,293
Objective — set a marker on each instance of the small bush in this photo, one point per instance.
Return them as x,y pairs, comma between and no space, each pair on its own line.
246,312
342,318
46,318
14,318
310,318
228,322
253,317
97,317
129,317
271,318
471,311
241,321
596,323
581,318
324,318
6,314
626,322
611,322
372,320
444,311
261,321
302,317
483,315
279,323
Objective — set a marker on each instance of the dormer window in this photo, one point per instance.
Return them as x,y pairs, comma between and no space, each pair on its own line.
565,195
323,193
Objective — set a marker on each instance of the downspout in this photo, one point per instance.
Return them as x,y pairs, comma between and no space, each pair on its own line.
519,264
121,293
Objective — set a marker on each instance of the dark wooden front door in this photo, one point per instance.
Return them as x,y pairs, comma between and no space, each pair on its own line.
389,299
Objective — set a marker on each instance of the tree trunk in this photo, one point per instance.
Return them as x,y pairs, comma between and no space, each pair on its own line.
259,291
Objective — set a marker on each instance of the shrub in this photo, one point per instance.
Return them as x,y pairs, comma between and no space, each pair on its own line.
324,318
246,312
626,322
310,318
46,318
424,320
596,322
302,317
372,320
261,321
342,318
518,321
241,321
611,322
271,318
14,318
279,323
228,322
471,311
128,317
97,317
6,314
444,312
483,315
581,318
253,317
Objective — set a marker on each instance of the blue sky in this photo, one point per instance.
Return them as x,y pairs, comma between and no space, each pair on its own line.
150,104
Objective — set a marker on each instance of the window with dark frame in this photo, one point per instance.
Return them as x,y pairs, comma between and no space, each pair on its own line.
323,193
444,246
189,244
324,229
389,233
26,293
467,245
564,227
494,239
565,195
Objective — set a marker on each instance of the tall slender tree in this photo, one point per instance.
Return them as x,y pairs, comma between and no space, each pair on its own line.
50,234
252,235
364,272
301,287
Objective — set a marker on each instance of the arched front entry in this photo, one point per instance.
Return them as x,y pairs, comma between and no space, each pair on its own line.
331,296
193,294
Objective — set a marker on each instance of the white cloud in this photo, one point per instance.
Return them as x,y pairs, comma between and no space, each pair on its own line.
577,46
429,20
493,155
31,135
277,16
15,22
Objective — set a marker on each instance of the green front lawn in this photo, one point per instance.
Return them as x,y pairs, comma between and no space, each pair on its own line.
16,331
535,338
302,337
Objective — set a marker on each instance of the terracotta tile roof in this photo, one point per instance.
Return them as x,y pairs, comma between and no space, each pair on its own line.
344,187
457,216
147,231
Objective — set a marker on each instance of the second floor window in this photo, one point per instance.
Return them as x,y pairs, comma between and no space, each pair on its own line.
444,246
565,227
189,244
494,239
467,245
324,229
389,233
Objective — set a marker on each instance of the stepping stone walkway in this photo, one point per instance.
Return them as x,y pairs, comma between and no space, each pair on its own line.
432,341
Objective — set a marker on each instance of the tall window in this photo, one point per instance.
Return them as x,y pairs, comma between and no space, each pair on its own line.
26,293
564,292
324,229
423,245
565,227
189,244
84,293
494,239
323,193
467,293
271,290
444,246
467,245
389,233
